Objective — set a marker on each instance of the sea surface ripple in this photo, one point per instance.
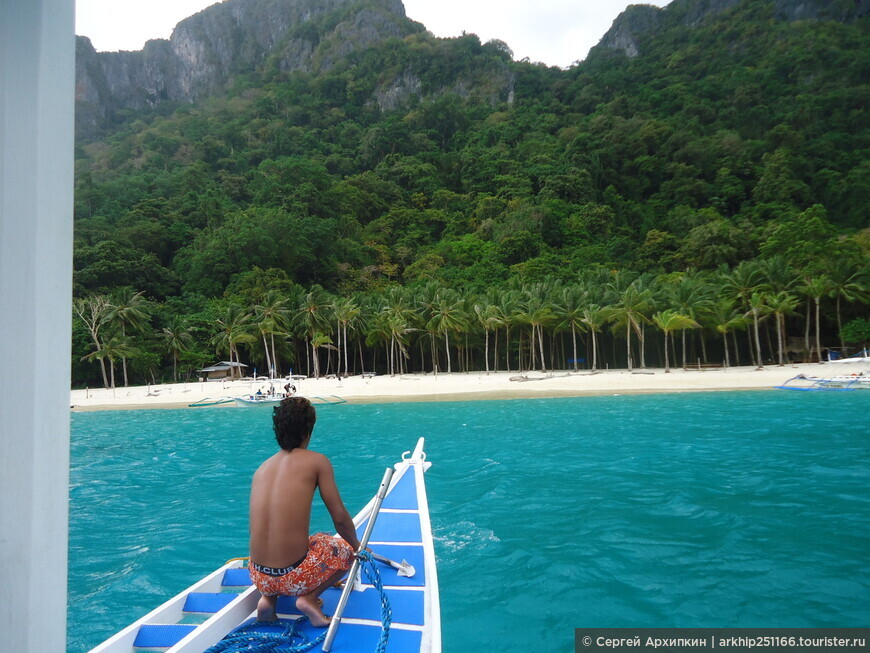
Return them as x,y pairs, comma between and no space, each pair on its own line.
743,509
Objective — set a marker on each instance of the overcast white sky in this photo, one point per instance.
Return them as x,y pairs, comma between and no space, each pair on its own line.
556,32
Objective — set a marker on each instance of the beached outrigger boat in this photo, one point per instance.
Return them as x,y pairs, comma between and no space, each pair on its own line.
807,382
862,356
209,401
274,400
259,400
396,526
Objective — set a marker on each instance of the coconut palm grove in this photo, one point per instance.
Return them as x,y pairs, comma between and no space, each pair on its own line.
702,200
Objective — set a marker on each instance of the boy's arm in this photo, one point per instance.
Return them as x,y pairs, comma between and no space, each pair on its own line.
332,499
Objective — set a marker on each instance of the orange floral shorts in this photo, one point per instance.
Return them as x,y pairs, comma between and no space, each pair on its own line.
326,555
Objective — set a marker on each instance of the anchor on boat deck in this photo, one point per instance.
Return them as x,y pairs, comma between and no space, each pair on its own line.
403,568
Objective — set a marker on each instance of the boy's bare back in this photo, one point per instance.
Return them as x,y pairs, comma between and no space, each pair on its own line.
281,495
284,559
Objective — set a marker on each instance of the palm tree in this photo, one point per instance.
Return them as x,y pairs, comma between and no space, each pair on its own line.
368,308
779,277
319,340
757,308
536,310
177,339
725,318
128,309
447,315
312,315
93,312
377,332
346,312
468,329
740,284
490,319
781,304
112,349
814,288
397,317
232,331
847,282
595,317
424,299
690,296
571,304
628,313
647,288
272,318
506,308
778,274
669,321
498,317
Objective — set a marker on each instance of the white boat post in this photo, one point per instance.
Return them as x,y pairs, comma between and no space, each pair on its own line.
354,569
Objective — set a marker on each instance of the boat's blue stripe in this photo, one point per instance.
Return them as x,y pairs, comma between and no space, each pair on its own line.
160,635
406,605
236,578
404,495
394,527
207,601
352,638
413,553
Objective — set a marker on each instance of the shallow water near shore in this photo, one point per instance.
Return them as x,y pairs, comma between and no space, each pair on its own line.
743,509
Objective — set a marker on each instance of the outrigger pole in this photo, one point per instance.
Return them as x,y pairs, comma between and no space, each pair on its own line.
354,569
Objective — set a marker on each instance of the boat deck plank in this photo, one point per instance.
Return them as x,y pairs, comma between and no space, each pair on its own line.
407,607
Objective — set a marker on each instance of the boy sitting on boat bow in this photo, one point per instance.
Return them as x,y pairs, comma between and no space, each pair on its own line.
285,561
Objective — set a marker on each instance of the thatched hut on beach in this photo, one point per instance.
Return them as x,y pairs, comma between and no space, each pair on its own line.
222,370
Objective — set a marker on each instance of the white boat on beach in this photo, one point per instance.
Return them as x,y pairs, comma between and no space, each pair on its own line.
259,399
396,607
271,397
211,401
862,356
274,400
807,382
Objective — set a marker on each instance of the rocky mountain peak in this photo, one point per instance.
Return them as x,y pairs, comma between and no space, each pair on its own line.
629,27
639,21
207,49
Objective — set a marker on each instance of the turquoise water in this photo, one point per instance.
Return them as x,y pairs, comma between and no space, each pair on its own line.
688,510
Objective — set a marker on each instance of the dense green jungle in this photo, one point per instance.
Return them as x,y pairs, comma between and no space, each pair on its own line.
705,200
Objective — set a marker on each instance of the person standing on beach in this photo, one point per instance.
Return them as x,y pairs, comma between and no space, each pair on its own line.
285,561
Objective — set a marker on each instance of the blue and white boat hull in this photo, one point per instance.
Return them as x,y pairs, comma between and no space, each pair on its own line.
226,599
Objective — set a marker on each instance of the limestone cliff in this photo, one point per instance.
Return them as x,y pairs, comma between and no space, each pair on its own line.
207,49
629,27
640,21
494,84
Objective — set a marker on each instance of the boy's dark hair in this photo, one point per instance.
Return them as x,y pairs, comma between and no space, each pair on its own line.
293,420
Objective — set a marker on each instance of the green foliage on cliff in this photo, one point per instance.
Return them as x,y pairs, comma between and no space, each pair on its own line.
425,159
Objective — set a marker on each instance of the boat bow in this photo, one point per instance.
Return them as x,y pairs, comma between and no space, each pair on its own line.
208,611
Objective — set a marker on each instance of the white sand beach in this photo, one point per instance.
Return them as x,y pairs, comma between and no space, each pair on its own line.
462,386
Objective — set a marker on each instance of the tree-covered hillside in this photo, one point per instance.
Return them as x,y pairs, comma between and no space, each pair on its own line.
423,194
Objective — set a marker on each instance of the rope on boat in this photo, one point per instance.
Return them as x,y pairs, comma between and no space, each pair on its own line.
374,576
248,639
